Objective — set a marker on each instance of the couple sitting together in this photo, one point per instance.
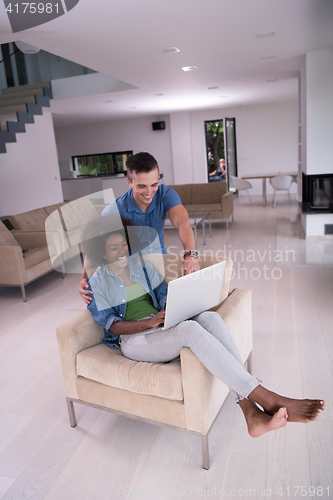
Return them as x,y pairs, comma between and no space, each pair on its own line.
129,297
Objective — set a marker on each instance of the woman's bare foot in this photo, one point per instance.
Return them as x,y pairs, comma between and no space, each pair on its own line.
299,410
259,422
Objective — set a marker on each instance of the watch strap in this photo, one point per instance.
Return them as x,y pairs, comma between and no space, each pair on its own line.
191,253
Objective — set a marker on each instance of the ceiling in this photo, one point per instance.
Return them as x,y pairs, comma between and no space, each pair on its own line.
123,39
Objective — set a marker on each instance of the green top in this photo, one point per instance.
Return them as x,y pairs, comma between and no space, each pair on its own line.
139,303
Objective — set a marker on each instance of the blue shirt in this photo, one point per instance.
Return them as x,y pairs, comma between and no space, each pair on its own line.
109,295
164,199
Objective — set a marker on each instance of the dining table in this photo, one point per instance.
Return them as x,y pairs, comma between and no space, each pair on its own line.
265,176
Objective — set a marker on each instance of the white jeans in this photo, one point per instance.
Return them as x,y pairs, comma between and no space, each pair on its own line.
208,338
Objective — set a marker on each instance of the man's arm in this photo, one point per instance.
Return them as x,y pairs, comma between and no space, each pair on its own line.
179,219
85,294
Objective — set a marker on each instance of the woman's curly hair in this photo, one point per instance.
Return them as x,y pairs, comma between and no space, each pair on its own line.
96,232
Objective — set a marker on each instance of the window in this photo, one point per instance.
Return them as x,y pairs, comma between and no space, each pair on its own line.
101,164
221,144
215,148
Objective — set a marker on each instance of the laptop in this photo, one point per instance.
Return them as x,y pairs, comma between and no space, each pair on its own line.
191,295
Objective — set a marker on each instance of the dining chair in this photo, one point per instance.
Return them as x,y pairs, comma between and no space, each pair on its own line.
281,183
241,184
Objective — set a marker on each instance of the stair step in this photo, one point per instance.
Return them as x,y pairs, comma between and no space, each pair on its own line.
8,137
25,117
43,91
12,126
4,103
33,99
24,88
13,109
15,121
16,127
34,109
10,117
18,107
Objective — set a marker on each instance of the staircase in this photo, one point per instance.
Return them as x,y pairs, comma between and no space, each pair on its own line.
18,105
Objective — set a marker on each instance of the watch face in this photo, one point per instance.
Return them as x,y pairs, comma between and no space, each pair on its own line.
191,253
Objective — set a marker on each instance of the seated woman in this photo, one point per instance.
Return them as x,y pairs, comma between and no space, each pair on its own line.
129,298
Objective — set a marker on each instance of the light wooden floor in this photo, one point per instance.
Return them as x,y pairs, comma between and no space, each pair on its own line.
109,457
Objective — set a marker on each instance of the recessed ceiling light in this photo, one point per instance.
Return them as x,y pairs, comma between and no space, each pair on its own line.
223,96
265,34
108,101
267,57
212,88
189,68
272,80
132,107
170,50
157,95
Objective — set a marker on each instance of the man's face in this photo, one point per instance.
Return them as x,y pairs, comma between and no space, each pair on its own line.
144,187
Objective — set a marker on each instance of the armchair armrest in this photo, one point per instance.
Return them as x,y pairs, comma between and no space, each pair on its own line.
29,239
236,312
12,268
74,336
203,393
227,201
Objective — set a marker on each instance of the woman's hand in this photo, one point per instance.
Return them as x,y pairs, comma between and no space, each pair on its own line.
129,327
157,319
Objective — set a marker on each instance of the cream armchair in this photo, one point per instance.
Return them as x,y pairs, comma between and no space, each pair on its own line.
181,395
23,258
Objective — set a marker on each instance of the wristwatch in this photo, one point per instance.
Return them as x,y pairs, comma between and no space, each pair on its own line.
191,253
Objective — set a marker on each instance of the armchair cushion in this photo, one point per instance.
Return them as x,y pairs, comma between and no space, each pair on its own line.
34,220
35,256
111,368
203,194
209,207
29,239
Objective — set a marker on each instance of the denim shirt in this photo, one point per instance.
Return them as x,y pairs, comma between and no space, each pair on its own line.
164,199
109,294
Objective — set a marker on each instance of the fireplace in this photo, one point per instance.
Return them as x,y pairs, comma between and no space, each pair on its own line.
317,193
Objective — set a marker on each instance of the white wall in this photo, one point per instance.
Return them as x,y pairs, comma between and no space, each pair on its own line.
319,104
317,126
29,172
266,141
314,224
266,137
180,124
122,135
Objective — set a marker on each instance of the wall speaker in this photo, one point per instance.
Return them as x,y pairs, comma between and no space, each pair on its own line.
158,125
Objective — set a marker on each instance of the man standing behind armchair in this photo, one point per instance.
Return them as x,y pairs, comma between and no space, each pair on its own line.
146,204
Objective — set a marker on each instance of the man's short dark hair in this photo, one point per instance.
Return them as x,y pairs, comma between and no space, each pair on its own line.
140,163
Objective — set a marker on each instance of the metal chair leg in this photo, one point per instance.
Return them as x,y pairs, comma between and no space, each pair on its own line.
274,201
23,293
71,412
205,452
